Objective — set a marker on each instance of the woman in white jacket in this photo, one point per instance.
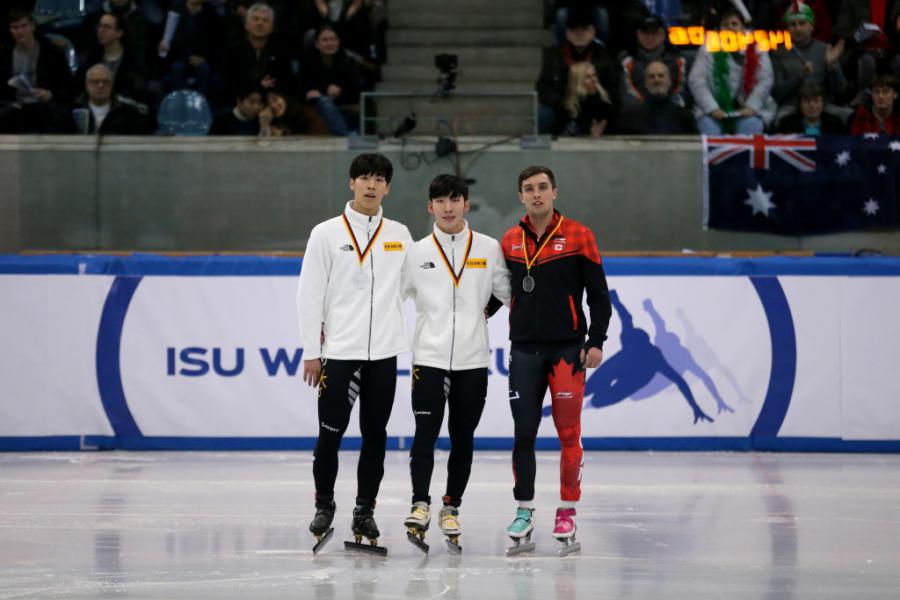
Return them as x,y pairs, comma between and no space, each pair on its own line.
452,276
731,89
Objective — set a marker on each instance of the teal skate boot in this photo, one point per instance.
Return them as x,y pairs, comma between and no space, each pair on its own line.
519,531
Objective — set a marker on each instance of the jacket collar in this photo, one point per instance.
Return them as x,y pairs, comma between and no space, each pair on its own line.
525,223
447,238
357,219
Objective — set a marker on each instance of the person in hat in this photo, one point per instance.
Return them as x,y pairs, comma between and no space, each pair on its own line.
651,45
809,61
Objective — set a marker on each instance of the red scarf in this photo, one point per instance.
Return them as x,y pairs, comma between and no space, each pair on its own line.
751,63
877,10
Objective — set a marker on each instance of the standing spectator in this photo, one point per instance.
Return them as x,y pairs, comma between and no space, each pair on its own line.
113,51
256,59
35,82
809,61
866,25
195,47
587,103
331,82
551,86
880,118
651,46
810,117
730,89
660,113
243,118
108,113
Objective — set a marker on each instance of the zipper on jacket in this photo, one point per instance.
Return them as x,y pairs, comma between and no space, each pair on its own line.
453,328
574,313
372,287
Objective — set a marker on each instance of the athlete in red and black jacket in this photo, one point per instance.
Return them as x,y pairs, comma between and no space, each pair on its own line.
553,261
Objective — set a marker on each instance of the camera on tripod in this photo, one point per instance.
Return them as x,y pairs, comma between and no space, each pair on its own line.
447,65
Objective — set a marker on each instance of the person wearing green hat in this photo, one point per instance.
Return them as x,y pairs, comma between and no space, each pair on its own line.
809,61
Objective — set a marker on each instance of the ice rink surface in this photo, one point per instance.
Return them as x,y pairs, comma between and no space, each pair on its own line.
652,525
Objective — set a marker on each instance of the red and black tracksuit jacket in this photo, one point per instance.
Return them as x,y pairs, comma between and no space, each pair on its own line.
551,315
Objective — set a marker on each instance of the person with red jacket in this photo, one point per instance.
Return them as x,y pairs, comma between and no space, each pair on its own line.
881,117
553,261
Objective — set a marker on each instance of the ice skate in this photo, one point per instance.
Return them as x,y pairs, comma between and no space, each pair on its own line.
364,526
564,531
449,519
321,524
519,531
417,524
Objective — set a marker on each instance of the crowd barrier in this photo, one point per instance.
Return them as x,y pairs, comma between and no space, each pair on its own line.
201,353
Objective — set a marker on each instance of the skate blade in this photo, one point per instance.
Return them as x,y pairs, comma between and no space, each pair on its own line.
417,542
520,548
453,547
365,548
569,548
323,540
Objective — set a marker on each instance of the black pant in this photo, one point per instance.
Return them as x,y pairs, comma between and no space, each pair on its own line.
464,392
342,382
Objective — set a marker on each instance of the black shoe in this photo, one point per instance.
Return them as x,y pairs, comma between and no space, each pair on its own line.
364,522
324,516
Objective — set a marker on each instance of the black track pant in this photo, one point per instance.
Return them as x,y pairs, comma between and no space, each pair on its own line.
342,382
464,392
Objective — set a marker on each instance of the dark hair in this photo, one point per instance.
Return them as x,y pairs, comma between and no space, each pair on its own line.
120,26
448,185
372,164
732,12
248,88
529,172
17,14
325,26
885,81
811,89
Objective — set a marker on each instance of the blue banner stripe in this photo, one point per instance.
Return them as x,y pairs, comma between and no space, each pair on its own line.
784,357
211,266
109,339
659,444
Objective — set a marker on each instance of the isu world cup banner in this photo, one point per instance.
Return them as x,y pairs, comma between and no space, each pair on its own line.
203,353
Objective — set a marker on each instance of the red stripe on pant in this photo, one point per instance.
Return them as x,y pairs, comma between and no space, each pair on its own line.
567,392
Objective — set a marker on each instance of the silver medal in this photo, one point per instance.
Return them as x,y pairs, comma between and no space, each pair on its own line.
360,280
528,283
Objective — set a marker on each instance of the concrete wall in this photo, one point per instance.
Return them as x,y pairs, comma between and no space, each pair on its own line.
204,194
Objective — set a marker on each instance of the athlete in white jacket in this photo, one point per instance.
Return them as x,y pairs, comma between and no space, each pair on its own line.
451,275
352,329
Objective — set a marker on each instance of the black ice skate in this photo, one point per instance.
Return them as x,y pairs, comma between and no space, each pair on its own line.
364,526
321,524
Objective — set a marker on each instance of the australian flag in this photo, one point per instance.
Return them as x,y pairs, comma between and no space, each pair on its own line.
797,185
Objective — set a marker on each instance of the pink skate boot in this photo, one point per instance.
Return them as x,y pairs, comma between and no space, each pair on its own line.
564,531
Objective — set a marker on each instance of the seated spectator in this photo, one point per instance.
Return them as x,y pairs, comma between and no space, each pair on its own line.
243,118
809,61
651,46
331,83
731,89
352,19
591,10
35,82
587,103
660,113
131,19
810,117
107,113
257,58
757,12
193,51
867,27
553,80
880,118
286,115
112,51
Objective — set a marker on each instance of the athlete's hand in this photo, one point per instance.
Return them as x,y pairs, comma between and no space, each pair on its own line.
591,359
312,370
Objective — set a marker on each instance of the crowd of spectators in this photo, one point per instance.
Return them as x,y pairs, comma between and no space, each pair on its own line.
276,68
839,76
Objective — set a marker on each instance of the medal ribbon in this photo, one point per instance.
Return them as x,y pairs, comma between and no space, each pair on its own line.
529,264
361,255
456,277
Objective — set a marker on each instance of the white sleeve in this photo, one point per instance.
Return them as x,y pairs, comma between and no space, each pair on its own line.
311,293
407,285
501,288
700,84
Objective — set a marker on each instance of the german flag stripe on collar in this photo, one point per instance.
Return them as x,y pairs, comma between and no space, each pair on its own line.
361,255
456,277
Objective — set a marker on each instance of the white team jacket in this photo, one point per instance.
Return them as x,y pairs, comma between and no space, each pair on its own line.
357,299
451,331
